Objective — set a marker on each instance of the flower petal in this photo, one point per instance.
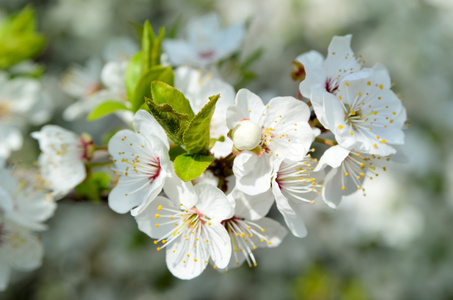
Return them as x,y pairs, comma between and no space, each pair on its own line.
247,106
213,203
253,172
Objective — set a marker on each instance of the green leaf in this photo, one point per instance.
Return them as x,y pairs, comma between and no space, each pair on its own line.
142,89
175,151
196,137
173,122
106,108
18,38
190,166
163,93
133,72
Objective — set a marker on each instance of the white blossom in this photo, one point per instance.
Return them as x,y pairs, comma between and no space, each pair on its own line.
189,227
284,134
349,170
206,42
294,185
62,158
249,229
20,249
365,115
21,103
141,159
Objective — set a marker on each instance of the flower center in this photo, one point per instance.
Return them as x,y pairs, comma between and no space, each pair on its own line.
206,54
247,135
331,86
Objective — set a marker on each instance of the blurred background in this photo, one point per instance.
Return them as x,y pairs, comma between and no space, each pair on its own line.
394,243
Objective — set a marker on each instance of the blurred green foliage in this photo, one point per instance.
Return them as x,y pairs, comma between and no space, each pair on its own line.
18,38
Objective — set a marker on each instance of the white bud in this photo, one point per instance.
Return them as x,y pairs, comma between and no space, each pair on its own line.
246,135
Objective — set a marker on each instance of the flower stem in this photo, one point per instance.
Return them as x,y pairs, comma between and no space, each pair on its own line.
326,141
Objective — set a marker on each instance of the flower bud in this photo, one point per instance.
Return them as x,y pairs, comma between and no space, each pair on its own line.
246,135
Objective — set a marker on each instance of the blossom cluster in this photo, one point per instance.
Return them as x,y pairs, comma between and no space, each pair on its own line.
203,164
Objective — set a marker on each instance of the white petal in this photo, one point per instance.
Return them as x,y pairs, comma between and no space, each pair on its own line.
334,157
156,213
291,212
23,250
253,172
311,59
333,187
213,203
247,106
179,52
291,134
219,245
186,261
251,207
147,125
180,192
274,232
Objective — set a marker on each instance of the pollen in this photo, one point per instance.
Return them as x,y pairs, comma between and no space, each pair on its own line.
340,126
159,207
157,216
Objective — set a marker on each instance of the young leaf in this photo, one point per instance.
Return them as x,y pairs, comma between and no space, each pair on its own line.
156,48
105,109
142,88
196,137
133,72
148,39
173,122
191,166
163,93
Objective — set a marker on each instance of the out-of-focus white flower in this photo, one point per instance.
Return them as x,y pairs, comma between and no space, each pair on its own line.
206,42
349,170
197,88
141,158
189,226
20,104
249,229
83,81
284,134
19,249
25,200
62,159
95,83
294,184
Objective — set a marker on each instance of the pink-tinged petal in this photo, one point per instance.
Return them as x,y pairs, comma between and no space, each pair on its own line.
213,203
156,220
286,130
247,106
292,213
253,172
184,260
179,52
145,123
219,244
333,157
251,207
